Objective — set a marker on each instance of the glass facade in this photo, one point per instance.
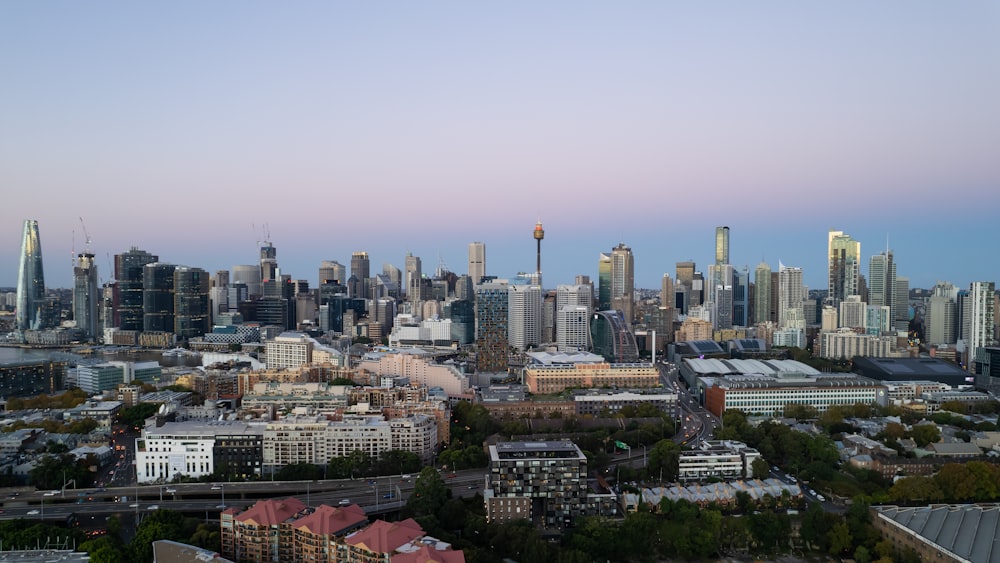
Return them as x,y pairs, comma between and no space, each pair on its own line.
31,310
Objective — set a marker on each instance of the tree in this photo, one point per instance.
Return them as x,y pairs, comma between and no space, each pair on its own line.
840,538
663,460
136,416
299,472
52,471
429,493
924,434
157,525
760,468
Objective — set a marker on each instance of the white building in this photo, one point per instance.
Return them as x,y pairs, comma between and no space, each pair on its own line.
852,312
846,344
524,316
288,350
573,328
183,448
419,367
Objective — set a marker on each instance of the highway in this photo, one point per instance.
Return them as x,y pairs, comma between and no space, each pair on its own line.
380,494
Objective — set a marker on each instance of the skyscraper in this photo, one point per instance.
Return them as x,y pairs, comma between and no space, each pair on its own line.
721,245
981,317
158,297
666,291
902,305
940,314
268,262
31,310
191,302
357,285
791,294
413,277
574,304
248,275
331,270
524,316
623,281
882,283
844,265
86,295
762,293
741,297
603,282
477,261
491,326
128,287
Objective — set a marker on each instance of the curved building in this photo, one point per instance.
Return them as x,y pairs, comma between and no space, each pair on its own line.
30,312
612,337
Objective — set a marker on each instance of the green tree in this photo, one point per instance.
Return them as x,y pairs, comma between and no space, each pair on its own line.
840,538
299,472
760,468
136,416
157,525
924,434
429,493
663,461
52,471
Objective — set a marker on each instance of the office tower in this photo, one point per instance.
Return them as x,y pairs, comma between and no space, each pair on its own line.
268,262
250,277
86,295
791,294
524,316
462,313
412,276
666,291
882,282
574,295
491,326
477,261
981,319
538,235
852,313
603,282
720,295
330,271
775,297
158,297
696,296
741,297
940,314
465,288
902,308
762,293
549,316
32,311
612,337
237,293
844,265
828,320
395,275
218,294
358,282
684,272
623,281
721,246
191,303
128,287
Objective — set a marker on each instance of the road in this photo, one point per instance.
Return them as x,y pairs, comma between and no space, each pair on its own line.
696,423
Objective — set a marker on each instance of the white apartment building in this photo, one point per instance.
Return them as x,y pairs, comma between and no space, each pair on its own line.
183,448
288,350
524,316
419,367
852,312
846,344
573,328
313,439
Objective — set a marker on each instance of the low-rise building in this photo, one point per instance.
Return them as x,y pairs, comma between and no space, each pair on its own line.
941,532
196,449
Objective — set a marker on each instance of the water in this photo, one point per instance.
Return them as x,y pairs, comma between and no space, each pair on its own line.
8,354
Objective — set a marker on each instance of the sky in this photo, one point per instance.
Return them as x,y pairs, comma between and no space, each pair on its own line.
195,130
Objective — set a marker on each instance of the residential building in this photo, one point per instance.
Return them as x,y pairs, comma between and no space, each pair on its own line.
612,337
844,266
31,311
791,294
762,293
86,296
524,316
882,282
622,289
981,319
545,482
492,347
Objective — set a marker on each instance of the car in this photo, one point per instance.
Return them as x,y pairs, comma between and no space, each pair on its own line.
153,507
344,502
32,512
388,495
371,481
134,505
407,476
49,494
821,498
171,491
216,487
474,486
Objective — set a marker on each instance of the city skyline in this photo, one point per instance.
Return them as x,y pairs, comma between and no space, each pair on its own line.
191,131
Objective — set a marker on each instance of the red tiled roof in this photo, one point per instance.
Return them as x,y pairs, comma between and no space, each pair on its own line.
327,520
386,537
427,554
272,512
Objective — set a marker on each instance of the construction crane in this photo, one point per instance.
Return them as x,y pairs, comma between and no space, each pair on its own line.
86,236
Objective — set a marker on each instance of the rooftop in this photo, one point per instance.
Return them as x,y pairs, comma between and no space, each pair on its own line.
967,532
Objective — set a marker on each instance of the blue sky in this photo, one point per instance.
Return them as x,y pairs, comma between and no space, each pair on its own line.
390,127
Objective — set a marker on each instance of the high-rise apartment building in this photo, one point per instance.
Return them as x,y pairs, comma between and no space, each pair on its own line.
191,304
741,297
86,296
491,326
762,293
666,291
574,304
852,312
981,319
940,315
720,295
882,282
902,304
524,316
128,290
791,294
477,261
623,281
31,308
844,266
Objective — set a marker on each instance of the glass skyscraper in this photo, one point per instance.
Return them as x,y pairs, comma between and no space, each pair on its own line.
31,312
